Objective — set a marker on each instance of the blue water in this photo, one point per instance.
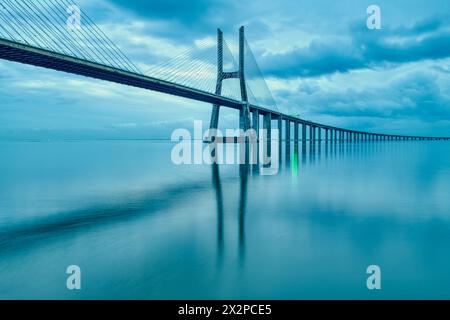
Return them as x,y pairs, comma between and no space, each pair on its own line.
140,227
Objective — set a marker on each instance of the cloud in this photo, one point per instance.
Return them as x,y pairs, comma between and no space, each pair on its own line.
363,49
186,11
414,92
426,25
182,20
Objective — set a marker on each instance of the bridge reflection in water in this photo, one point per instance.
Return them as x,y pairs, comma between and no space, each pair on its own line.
304,153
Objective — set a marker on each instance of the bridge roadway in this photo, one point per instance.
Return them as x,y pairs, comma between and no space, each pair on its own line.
22,53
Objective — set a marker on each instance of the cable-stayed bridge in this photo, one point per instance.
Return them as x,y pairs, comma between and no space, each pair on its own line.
42,33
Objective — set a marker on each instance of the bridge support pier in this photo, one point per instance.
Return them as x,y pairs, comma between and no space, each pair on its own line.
296,137
244,117
255,121
288,139
267,139
303,133
255,127
314,136
280,138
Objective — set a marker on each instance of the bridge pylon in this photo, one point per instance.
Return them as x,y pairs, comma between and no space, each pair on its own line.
244,112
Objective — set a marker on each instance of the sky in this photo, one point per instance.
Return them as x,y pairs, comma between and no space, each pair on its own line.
319,59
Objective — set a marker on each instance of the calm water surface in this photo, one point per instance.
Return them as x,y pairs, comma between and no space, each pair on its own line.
141,227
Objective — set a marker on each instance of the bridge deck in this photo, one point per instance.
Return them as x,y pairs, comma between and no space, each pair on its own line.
42,58
22,53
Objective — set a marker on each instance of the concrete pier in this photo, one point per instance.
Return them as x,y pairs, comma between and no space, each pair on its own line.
288,138
267,146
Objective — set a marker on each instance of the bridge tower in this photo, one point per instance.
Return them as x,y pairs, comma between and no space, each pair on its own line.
244,112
